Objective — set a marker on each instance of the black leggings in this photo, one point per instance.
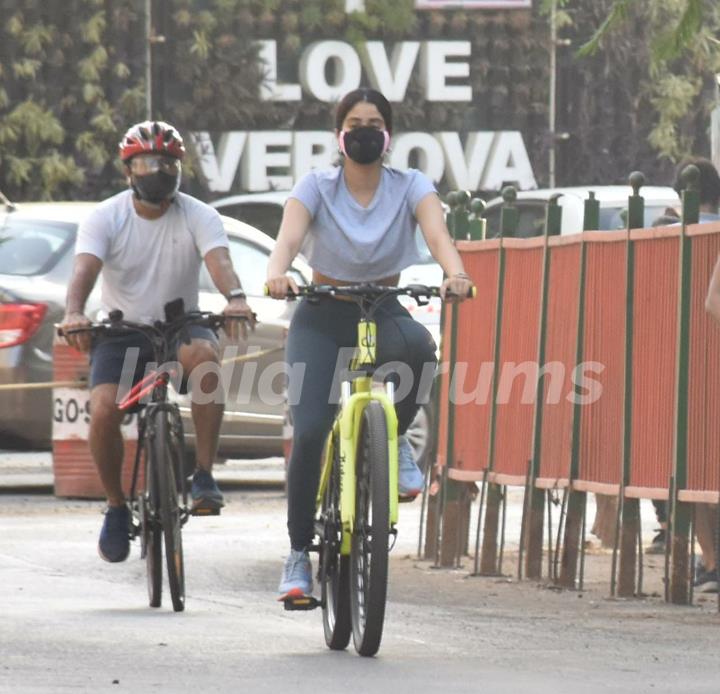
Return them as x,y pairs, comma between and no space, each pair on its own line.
317,334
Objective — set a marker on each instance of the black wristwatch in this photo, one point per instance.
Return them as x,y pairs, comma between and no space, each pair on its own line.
236,294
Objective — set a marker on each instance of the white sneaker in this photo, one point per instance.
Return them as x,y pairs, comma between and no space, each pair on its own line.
410,478
297,575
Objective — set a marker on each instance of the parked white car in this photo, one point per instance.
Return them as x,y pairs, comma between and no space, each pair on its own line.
260,210
613,200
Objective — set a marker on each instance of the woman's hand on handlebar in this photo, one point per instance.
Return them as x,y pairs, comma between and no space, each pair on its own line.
76,321
279,287
457,287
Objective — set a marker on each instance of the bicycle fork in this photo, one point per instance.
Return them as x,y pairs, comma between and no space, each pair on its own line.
355,394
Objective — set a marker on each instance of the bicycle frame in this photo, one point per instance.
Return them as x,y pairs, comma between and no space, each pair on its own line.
355,395
158,387
157,514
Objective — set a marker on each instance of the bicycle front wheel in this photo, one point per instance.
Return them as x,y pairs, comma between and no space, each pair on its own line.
334,568
369,555
167,457
151,532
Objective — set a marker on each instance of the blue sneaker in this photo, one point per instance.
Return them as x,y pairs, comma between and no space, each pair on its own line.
296,578
410,478
114,544
205,493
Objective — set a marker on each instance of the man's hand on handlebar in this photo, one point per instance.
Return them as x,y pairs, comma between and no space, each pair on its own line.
279,287
457,288
235,329
74,321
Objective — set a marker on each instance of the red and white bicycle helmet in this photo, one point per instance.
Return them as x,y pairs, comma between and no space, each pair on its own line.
151,137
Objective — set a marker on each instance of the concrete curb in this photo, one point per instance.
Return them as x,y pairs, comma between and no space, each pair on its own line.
31,473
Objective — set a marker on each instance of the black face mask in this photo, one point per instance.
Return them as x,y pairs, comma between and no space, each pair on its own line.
155,187
364,145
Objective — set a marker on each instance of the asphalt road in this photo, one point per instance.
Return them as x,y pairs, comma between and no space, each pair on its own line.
70,622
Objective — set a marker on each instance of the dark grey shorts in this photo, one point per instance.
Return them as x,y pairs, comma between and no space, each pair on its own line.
107,356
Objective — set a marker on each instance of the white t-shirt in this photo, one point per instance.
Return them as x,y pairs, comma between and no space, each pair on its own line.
147,263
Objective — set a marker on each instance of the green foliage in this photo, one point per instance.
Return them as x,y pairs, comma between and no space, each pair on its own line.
397,18
684,55
618,14
72,77
80,64
92,31
36,38
563,18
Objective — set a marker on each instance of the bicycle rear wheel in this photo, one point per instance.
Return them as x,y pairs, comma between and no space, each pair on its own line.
151,531
369,555
334,568
166,454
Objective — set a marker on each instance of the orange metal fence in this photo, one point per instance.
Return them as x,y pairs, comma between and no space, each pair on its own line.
653,324
654,361
518,358
601,432
560,350
473,383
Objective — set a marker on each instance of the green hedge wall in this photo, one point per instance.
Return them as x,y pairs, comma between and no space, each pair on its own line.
72,78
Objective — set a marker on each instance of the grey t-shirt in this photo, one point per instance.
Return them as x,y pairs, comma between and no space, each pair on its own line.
347,241
147,263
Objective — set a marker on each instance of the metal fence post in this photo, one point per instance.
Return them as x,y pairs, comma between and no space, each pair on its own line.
591,216
455,517
627,533
432,507
681,512
509,215
476,222
636,203
535,517
574,536
495,495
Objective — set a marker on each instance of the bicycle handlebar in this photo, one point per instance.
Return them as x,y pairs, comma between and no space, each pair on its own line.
116,325
418,292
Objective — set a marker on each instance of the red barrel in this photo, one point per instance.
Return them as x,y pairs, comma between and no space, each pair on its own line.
73,467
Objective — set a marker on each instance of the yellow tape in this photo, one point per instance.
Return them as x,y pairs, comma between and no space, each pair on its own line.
83,384
41,386
251,355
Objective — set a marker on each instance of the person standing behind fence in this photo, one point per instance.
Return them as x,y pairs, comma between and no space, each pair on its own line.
706,515
709,187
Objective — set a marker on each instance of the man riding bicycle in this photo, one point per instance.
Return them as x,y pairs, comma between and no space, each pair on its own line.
149,241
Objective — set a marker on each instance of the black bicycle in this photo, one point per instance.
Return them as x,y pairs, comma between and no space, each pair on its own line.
161,509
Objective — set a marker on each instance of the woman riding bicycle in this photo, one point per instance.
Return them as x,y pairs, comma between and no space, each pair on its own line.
354,223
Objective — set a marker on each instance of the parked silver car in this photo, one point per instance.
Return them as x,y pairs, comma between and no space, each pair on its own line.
36,255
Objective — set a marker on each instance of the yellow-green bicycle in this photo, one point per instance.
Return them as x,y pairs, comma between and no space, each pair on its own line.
357,498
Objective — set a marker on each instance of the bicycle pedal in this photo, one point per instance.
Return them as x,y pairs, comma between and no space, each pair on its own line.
300,602
407,499
205,512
